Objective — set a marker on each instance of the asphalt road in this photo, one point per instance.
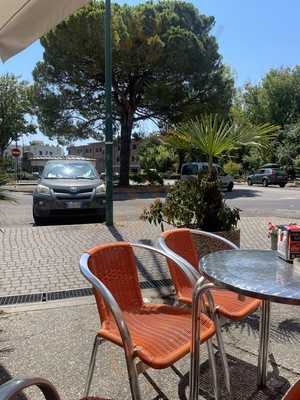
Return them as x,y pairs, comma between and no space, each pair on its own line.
253,201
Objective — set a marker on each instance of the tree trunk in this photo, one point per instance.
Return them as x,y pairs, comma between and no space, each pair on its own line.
210,166
2,153
126,129
181,157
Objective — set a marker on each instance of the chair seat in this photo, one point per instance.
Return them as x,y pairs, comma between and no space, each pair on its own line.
161,334
230,304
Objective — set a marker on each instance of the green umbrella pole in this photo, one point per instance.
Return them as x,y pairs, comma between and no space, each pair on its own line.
108,116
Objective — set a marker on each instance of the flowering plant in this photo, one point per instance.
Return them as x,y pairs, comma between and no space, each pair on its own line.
272,230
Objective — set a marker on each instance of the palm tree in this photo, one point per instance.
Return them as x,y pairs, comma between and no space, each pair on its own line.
213,136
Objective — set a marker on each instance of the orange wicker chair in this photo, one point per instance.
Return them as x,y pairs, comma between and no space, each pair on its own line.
293,393
179,243
9,390
158,335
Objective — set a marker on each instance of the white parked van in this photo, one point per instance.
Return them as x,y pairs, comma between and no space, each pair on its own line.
192,169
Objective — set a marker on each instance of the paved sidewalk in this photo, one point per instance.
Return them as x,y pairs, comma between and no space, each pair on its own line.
54,339
46,259
56,343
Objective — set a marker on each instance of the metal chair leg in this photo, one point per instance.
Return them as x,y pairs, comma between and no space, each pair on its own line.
97,342
133,376
212,365
222,354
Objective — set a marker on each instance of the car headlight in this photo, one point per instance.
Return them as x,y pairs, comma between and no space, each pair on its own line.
100,189
42,189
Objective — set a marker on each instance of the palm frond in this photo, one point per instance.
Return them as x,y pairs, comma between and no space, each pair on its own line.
259,135
5,197
214,136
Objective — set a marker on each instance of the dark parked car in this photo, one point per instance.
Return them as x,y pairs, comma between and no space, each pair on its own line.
69,187
269,176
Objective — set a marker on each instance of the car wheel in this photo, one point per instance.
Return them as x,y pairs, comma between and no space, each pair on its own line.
250,183
230,187
38,220
282,185
265,183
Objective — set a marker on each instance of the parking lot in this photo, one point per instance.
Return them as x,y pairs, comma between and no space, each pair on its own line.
253,201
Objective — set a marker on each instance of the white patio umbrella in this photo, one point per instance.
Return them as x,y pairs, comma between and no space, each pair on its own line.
24,21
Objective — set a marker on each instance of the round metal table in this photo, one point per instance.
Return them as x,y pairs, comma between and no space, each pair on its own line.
260,274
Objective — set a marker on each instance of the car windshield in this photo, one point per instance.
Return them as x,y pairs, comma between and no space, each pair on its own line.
190,169
69,171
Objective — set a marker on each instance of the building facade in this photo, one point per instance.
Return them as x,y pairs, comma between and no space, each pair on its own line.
96,151
37,149
33,156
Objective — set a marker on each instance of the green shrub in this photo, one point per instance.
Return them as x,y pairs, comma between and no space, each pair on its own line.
297,162
194,204
153,177
138,178
232,168
4,179
252,162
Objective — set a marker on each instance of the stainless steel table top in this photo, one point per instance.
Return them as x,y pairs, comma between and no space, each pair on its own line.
256,273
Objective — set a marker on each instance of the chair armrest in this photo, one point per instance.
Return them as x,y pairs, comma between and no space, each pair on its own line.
13,387
181,262
189,271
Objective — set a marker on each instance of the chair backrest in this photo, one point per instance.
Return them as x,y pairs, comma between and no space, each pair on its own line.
115,266
180,241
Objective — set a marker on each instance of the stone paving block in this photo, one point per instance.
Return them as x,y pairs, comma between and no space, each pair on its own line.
46,258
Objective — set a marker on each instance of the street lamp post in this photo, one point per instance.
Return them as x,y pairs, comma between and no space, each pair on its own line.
108,116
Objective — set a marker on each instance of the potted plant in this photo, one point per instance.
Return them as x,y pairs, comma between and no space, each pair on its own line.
197,204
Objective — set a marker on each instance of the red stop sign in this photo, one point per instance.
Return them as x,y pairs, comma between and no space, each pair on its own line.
16,152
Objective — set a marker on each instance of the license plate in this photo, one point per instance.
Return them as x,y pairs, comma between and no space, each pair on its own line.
73,204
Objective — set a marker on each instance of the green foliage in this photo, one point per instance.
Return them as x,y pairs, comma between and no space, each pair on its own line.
194,204
283,150
275,99
150,176
252,161
166,66
137,178
214,137
3,181
288,145
15,109
297,162
155,214
154,155
232,168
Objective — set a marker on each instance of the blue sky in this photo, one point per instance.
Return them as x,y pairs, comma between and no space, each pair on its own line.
253,36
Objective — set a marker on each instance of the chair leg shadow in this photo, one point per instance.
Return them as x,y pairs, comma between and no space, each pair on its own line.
243,382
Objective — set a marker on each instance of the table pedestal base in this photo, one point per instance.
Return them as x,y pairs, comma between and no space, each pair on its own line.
263,352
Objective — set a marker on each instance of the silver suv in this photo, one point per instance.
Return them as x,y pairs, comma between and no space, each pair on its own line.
192,169
68,187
